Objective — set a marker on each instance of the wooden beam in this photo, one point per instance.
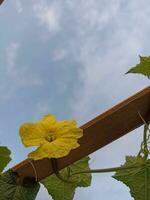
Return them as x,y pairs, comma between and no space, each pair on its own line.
98,132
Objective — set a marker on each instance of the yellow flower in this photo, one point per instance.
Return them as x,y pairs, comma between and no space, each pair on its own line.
54,138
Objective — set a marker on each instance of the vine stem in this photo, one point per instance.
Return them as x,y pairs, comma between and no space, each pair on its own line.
146,152
145,123
146,128
113,169
56,171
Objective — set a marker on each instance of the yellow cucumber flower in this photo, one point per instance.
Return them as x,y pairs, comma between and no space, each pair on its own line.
54,138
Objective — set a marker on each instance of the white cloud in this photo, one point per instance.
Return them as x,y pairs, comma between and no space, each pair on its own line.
42,108
19,6
20,75
13,75
48,15
12,52
109,39
59,54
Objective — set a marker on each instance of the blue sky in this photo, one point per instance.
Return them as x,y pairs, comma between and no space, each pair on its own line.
68,58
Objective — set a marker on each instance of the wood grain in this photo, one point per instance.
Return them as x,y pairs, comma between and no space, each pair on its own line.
98,132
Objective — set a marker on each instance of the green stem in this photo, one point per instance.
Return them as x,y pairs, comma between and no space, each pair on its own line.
56,171
113,169
146,152
144,146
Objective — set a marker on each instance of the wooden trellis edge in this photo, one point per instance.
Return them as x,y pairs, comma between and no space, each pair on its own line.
102,130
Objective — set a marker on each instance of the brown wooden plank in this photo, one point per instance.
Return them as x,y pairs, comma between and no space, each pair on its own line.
98,132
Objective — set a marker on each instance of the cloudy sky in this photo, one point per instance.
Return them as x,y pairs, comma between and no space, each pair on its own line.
68,58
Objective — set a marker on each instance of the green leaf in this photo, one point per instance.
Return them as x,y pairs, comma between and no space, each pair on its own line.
142,68
137,179
60,190
11,190
4,157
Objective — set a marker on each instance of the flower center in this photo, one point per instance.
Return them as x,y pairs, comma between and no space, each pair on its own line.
50,137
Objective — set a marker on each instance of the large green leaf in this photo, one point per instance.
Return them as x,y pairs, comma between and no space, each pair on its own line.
11,190
60,190
4,157
142,68
137,179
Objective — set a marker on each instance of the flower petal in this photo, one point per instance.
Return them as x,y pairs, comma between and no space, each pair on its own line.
55,139
67,129
32,134
49,122
56,149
